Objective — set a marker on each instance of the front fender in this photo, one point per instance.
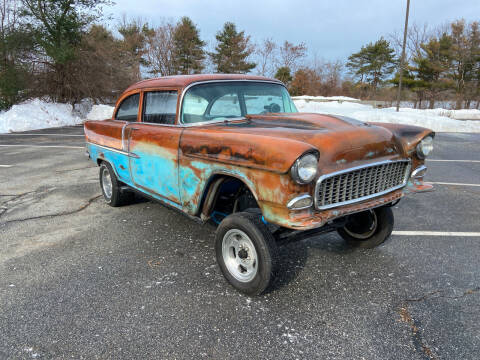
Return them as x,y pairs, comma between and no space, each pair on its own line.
408,136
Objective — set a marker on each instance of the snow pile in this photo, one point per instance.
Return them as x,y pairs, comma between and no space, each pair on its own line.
37,114
100,112
465,114
439,120
325,98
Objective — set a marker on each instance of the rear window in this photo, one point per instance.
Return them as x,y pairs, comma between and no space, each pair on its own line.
128,109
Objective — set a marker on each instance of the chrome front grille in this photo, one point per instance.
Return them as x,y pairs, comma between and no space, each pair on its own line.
360,183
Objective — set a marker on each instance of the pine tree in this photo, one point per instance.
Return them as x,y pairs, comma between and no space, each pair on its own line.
232,50
189,54
283,74
59,26
432,65
465,58
135,35
373,63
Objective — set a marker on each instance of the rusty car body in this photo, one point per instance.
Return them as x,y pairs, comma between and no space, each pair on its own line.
209,164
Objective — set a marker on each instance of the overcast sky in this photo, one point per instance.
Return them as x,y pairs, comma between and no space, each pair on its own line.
332,29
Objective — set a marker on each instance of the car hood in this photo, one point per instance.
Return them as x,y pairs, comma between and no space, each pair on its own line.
274,142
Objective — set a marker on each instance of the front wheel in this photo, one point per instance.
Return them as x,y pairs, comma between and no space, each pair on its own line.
246,252
368,229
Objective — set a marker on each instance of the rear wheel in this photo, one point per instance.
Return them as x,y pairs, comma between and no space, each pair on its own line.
246,252
368,229
111,187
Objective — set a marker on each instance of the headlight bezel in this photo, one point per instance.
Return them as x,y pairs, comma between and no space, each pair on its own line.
425,143
295,170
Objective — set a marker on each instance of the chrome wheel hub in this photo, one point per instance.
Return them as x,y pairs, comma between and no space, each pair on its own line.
239,255
107,183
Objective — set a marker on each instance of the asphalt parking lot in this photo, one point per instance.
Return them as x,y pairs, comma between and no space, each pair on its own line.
79,279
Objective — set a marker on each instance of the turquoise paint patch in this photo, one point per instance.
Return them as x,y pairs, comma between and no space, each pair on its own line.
156,172
115,159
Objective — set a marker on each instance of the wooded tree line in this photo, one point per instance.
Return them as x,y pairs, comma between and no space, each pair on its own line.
62,49
442,64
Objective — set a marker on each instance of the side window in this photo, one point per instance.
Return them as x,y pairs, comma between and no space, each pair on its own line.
160,107
227,105
128,109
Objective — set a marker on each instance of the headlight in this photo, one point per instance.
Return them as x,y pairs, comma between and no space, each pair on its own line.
425,147
304,169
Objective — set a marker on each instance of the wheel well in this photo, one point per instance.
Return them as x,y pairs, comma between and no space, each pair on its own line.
226,195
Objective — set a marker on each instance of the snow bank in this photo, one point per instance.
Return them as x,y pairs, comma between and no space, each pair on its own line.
100,112
325,98
439,120
37,114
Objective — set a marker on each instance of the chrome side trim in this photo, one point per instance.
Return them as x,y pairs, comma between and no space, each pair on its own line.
180,108
295,199
114,150
363,198
108,148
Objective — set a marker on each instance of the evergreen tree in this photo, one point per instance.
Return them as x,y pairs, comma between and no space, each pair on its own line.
16,46
232,50
373,63
188,54
283,74
432,65
465,52
135,35
58,27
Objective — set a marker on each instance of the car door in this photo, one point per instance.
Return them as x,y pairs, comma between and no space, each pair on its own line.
153,146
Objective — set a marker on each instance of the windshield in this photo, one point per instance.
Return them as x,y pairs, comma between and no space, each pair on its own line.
224,100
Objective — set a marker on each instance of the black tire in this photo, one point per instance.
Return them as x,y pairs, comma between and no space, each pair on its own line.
359,232
265,254
115,197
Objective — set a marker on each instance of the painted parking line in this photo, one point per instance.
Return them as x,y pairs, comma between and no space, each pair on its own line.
436,233
454,184
59,135
5,166
45,146
439,160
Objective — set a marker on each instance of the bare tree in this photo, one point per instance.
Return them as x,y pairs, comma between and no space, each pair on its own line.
291,55
161,50
416,36
266,51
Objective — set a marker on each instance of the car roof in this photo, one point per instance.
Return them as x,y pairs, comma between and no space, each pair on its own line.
185,80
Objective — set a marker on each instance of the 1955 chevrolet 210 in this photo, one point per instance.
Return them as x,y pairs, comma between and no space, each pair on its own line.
233,150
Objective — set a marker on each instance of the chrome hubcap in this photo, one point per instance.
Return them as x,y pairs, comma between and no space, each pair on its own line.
364,226
239,255
107,183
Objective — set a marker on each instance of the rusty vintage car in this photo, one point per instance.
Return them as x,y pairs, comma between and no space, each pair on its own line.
233,150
